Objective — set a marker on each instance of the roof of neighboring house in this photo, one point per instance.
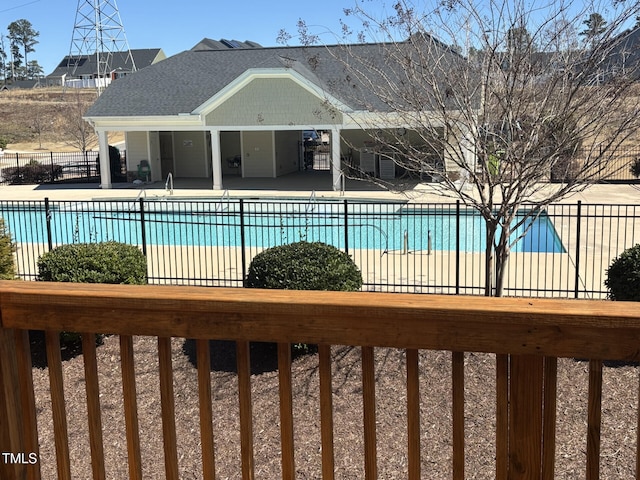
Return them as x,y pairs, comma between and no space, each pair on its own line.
184,82
87,64
624,53
222,44
35,83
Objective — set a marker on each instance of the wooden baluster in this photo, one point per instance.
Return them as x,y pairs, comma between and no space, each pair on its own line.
502,417
326,412
54,361
457,372
206,410
286,411
167,402
413,414
594,420
369,407
28,401
93,405
246,416
130,407
11,433
549,421
525,416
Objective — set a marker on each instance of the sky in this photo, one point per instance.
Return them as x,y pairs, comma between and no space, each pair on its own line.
170,25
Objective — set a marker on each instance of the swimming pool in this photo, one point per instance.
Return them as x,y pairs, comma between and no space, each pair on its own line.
257,223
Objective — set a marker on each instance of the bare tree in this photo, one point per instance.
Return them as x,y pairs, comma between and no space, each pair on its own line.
527,101
80,134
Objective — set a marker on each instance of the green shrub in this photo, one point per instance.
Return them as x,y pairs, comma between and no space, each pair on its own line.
32,173
108,262
304,266
115,164
623,276
635,168
7,249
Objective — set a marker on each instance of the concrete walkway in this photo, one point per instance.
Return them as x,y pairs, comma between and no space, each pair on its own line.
300,185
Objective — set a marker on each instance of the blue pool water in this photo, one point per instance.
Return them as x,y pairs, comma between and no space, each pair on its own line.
388,226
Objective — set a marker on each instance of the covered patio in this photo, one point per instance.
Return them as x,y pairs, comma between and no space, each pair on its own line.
226,114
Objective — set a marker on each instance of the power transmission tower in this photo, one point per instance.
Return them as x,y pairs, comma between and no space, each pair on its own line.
98,32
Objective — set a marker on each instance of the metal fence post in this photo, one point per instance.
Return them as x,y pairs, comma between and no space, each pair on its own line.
243,254
143,233
346,227
457,247
47,213
577,275
53,171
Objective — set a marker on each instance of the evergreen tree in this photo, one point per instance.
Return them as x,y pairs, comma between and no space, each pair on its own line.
22,36
595,26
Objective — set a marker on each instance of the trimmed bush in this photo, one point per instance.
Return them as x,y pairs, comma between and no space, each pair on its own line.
623,276
304,266
7,249
635,168
115,164
32,173
107,262
300,266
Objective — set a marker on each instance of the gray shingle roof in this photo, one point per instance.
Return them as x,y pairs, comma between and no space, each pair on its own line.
209,44
182,83
87,64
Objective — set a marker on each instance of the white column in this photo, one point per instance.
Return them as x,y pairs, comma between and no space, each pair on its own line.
335,159
105,164
216,161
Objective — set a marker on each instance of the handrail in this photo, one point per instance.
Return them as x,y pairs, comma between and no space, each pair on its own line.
134,205
526,334
168,185
481,324
227,196
311,203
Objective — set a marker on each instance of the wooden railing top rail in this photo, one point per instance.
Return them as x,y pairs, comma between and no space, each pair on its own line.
551,327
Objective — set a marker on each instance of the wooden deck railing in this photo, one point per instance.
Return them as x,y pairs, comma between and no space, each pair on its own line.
527,336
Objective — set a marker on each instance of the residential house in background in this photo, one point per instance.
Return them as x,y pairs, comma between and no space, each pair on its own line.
82,72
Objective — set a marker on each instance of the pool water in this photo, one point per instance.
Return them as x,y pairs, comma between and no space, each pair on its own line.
386,226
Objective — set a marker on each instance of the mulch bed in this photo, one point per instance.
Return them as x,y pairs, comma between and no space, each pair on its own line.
618,432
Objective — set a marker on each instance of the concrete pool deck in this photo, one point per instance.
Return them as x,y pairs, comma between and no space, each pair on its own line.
300,185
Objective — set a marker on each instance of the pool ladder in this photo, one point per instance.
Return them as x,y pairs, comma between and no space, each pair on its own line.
168,185
134,205
312,203
219,206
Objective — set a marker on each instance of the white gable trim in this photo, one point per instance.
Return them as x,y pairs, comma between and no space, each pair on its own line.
254,73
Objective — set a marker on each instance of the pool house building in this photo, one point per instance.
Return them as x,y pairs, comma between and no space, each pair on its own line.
249,112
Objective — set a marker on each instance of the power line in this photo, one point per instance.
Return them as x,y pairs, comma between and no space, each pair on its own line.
19,6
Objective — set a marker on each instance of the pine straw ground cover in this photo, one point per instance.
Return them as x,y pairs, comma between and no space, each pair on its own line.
619,416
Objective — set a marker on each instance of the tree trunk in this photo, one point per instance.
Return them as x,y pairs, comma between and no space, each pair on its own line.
489,258
502,255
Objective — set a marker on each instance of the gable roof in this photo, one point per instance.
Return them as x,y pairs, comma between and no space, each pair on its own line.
87,64
183,83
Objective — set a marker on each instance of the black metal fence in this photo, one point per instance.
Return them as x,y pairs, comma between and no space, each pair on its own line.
48,167
399,246
617,167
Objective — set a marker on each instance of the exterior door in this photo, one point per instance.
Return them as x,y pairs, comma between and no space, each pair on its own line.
166,153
